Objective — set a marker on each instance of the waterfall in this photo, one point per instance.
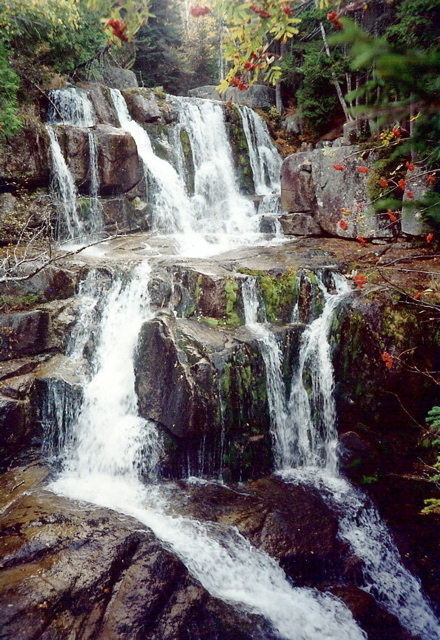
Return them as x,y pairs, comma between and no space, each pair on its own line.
111,447
72,107
305,443
304,428
265,159
96,224
170,202
312,438
272,357
216,217
69,225
217,202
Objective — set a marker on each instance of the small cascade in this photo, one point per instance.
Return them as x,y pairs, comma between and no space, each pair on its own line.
72,107
265,159
385,576
95,225
111,447
64,192
109,435
272,356
312,438
171,204
304,427
307,453
217,204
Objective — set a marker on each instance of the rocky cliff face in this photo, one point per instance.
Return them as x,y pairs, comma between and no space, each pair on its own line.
323,187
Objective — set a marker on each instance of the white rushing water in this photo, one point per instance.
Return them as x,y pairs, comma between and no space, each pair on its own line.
72,107
304,427
265,159
272,357
64,192
111,447
305,440
305,443
216,217
384,575
312,436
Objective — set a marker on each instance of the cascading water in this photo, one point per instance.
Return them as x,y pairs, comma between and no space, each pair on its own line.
306,444
216,217
265,159
171,204
64,192
272,356
95,224
111,447
217,203
72,107
313,438
305,426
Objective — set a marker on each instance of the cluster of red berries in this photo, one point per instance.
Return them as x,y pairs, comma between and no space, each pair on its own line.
333,16
196,11
239,83
261,12
119,29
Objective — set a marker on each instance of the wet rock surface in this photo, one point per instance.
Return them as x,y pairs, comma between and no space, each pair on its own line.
76,571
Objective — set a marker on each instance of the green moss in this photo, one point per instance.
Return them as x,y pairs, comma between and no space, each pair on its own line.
367,480
279,293
9,303
185,141
400,325
231,288
211,322
225,384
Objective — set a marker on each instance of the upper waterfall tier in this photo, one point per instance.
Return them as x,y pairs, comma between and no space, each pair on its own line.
191,170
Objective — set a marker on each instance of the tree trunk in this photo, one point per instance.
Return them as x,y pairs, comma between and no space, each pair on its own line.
345,109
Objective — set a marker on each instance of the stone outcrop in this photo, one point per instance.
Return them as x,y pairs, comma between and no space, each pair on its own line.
25,160
297,188
143,105
411,220
208,92
258,96
212,388
119,78
311,184
72,572
299,224
81,571
99,96
119,166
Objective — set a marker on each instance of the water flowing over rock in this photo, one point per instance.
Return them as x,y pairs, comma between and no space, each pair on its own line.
191,445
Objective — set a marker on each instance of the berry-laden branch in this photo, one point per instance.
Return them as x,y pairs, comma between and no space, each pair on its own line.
250,31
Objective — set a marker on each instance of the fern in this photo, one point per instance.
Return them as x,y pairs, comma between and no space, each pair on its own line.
433,418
